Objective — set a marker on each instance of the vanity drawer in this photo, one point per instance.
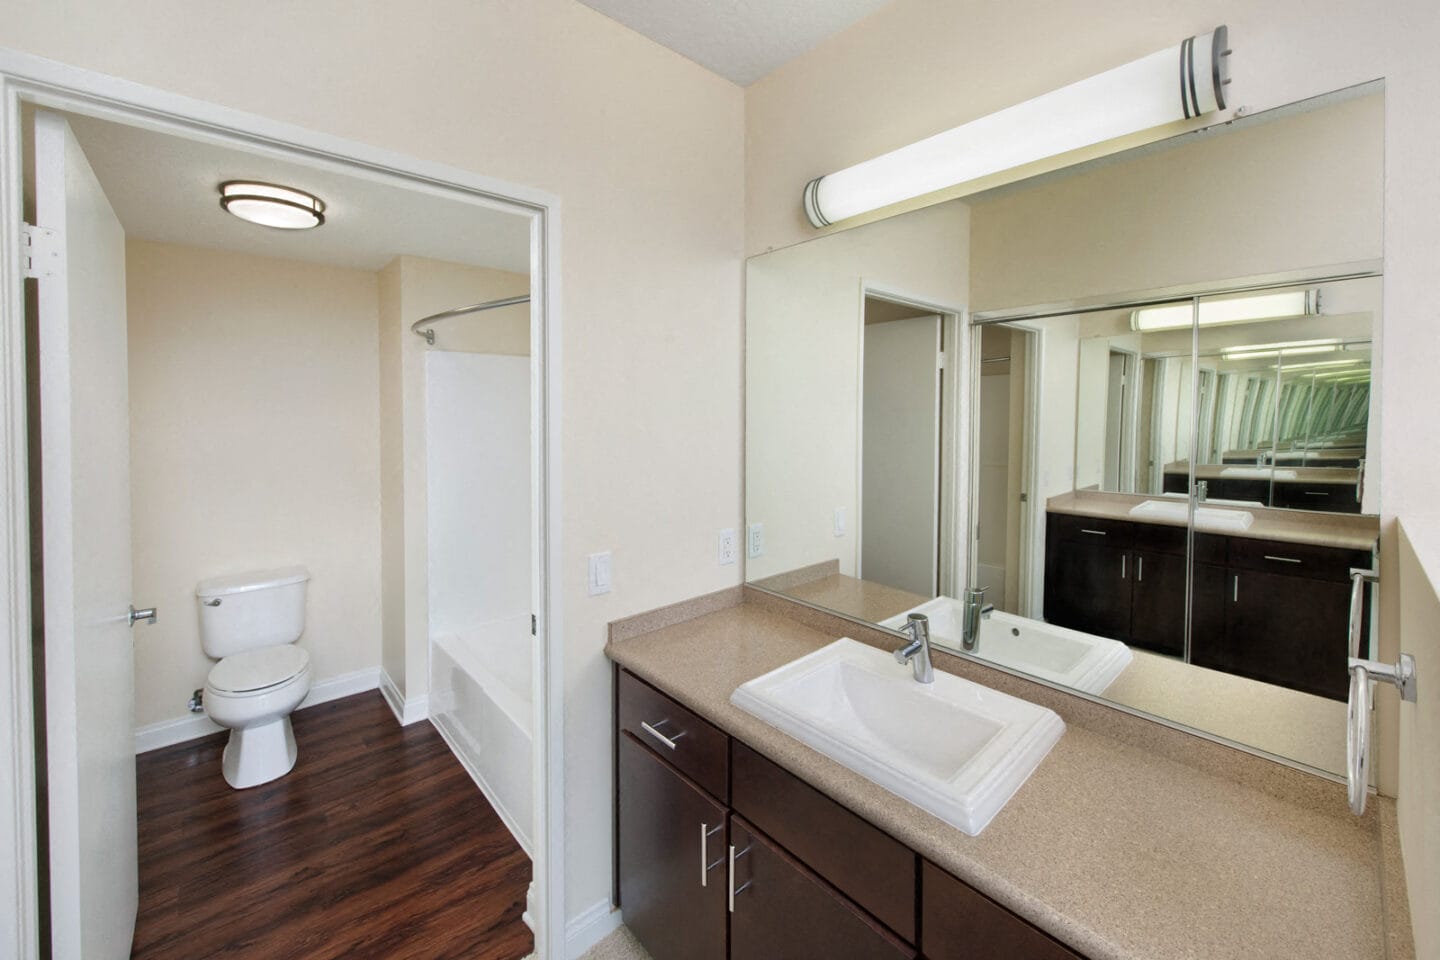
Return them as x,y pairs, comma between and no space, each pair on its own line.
859,860
1111,533
696,749
1296,559
960,923
1161,538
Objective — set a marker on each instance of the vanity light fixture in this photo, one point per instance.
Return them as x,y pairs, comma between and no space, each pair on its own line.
1185,81
1295,349
1318,364
1251,308
272,205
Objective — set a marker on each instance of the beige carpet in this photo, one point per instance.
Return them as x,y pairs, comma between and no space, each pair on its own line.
620,945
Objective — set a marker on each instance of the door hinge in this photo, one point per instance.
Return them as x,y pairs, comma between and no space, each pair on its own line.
940,360
41,253
532,625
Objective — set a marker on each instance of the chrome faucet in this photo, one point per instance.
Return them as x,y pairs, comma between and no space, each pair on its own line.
976,609
917,651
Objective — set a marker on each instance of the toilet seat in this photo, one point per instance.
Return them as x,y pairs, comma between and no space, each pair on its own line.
258,671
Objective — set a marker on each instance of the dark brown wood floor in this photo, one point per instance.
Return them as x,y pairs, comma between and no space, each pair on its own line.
377,844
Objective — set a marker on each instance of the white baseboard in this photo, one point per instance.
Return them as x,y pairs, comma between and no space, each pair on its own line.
406,711
196,725
589,927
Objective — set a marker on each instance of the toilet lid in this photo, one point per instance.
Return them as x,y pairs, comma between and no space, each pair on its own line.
258,669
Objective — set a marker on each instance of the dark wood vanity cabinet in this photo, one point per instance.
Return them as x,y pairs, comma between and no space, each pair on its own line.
1268,610
811,880
660,825
1291,494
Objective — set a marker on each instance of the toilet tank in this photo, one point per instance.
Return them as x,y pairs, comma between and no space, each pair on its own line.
263,608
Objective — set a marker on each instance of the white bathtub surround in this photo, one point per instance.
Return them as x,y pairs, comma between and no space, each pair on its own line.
193,726
477,439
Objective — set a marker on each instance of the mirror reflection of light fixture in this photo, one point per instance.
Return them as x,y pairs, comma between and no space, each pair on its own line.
272,205
1251,308
1317,364
1187,80
1293,349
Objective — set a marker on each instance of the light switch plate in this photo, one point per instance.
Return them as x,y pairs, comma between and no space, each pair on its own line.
755,540
599,578
839,521
729,548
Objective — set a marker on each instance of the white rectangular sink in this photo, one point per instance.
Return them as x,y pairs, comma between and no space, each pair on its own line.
1258,473
952,747
1080,661
1178,511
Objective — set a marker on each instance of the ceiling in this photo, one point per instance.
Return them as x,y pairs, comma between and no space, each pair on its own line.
163,188
742,40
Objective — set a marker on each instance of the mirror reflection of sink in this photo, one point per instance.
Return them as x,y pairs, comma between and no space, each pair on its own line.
952,747
1178,511
1258,473
1216,501
1068,657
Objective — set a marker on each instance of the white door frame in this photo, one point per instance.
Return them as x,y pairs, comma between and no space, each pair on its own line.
951,455
28,79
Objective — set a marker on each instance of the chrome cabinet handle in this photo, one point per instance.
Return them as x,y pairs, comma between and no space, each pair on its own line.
1093,533
705,865
1139,569
669,742
730,886
1123,558
1283,559
1235,597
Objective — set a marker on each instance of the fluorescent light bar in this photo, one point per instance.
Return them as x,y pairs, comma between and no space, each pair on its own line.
1248,309
1179,83
1331,342
1317,364
1291,352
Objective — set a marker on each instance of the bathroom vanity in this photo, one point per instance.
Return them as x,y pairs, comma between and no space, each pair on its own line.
1128,841
1271,603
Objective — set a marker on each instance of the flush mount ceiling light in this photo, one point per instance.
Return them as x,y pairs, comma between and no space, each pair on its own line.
1247,309
1184,81
272,205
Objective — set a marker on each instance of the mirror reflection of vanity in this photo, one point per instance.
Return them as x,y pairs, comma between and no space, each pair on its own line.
1130,401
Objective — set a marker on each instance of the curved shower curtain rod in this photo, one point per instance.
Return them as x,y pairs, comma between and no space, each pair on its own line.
429,335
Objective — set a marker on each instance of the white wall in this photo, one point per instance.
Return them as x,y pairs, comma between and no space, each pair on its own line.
254,443
804,310
1419,575
477,434
645,150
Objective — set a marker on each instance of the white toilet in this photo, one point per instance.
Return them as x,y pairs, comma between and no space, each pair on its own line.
250,623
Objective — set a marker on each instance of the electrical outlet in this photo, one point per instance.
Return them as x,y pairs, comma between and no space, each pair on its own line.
755,540
839,521
728,546
599,578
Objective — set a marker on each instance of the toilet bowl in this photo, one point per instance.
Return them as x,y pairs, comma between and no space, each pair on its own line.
251,623
253,694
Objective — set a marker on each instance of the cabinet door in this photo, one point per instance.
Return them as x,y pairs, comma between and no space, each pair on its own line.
782,909
1157,605
670,901
959,923
1087,587
1290,631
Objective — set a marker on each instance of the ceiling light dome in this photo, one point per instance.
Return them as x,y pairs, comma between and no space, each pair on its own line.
272,205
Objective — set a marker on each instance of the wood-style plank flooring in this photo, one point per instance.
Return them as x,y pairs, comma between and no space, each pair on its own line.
377,844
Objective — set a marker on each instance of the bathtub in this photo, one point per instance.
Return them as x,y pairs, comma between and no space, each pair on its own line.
1067,657
480,701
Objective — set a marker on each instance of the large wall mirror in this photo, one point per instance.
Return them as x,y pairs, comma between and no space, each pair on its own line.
1114,428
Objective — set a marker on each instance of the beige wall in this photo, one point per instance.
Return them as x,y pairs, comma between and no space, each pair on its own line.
1419,800
254,443
1288,194
805,308
645,150
411,288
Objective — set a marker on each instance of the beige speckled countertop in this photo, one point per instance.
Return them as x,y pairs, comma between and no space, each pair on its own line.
1113,849
1344,530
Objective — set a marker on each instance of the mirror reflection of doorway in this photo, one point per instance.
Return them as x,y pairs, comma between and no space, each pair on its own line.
900,448
1002,522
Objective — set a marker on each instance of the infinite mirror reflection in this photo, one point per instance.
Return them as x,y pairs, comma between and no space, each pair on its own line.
1154,486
